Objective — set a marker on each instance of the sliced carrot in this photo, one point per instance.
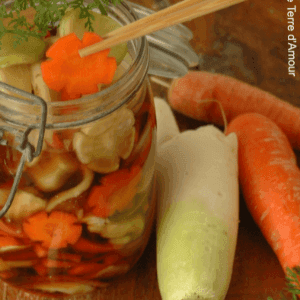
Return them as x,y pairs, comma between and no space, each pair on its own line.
19,255
57,230
270,182
3,233
72,75
40,251
94,267
11,229
85,245
8,274
7,241
41,269
48,34
116,192
186,96
57,142
85,268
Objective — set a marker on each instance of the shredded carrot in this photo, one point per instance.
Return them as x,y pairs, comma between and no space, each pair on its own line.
3,233
41,269
9,241
85,268
8,274
19,255
57,142
54,231
73,76
116,192
94,267
270,182
40,251
85,245
10,229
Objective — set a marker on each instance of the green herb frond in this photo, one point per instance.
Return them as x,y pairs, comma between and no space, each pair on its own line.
48,14
292,284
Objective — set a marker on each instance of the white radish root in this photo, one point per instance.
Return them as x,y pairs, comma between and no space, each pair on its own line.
197,221
167,127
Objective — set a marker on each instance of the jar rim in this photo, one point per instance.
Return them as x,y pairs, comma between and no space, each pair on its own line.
111,98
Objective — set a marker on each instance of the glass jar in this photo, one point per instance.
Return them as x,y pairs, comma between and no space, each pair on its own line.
80,175
84,208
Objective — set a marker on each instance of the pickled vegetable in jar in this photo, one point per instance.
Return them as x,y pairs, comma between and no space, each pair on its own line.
84,207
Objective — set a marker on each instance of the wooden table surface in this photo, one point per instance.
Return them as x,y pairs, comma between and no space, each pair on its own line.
248,42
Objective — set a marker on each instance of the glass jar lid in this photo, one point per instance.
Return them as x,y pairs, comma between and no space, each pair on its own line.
171,54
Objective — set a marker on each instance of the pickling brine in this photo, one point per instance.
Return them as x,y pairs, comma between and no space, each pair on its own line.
84,208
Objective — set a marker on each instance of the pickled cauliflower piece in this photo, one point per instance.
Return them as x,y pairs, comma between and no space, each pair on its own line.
40,88
102,144
26,202
73,193
94,224
123,232
24,205
17,76
7,265
64,287
53,170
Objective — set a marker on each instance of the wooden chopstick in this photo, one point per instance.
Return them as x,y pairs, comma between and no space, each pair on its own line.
160,14
175,14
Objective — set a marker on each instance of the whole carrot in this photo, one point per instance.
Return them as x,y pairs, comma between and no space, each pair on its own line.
186,95
270,182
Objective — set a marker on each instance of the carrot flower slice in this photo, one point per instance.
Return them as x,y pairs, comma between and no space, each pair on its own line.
54,231
73,76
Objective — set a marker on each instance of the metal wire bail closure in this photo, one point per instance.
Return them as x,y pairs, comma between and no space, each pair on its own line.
25,147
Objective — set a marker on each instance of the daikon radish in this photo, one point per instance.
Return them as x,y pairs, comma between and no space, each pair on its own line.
167,127
198,211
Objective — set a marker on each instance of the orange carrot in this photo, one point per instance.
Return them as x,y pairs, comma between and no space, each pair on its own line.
40,251
10,229
116,192
8,274
90,268
41,269
85,268
73,76
85,245
54,231
186,96
6,241
19,254
270,182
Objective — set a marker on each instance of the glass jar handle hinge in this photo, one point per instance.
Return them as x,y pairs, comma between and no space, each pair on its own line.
25,147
